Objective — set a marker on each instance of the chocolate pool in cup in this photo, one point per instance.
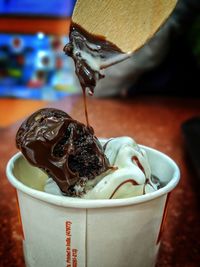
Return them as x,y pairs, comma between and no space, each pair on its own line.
64,231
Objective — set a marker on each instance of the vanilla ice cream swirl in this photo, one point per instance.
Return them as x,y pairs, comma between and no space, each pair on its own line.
130,175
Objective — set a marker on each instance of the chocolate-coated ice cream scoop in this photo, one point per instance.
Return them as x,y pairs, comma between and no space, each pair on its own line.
64,148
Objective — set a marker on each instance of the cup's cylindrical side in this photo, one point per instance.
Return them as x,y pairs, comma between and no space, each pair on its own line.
125,236
113,237
52,234
61,231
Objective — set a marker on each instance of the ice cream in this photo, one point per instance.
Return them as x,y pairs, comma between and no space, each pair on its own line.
130,176
78,164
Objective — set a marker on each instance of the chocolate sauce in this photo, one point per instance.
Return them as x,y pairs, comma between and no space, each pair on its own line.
91,53
64,148
134,183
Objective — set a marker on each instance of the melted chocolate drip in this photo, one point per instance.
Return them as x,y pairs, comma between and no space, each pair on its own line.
64,148
82,43
134,183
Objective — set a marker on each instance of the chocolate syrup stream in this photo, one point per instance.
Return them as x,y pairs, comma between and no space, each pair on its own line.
91,53
85,106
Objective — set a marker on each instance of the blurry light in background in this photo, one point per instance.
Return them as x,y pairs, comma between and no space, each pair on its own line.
40,35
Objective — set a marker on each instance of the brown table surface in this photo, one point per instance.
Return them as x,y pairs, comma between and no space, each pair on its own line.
152,121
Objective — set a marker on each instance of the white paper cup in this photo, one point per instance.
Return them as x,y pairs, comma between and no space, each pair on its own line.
62,231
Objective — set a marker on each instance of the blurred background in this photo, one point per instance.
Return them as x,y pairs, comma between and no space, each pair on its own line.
33,65
32,36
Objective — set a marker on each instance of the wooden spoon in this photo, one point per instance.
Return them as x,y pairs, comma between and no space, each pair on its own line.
126,23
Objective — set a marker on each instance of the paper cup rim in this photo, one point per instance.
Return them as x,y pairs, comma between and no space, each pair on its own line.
90,203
